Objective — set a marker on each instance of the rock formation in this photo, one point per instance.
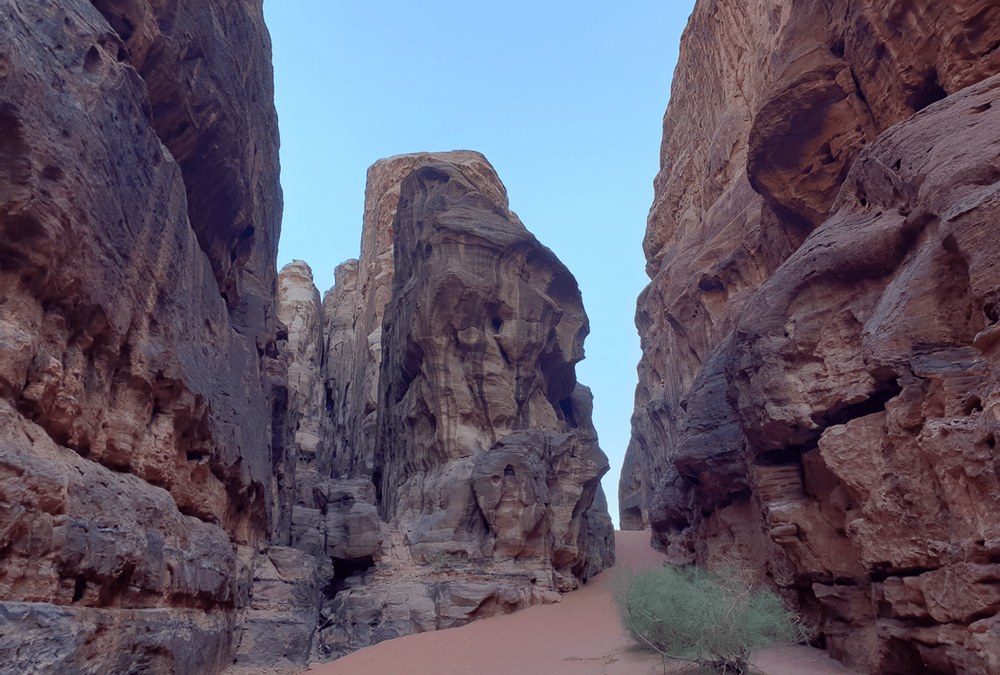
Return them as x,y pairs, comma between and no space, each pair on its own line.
202,469
139,372
817,385
457,472
477,381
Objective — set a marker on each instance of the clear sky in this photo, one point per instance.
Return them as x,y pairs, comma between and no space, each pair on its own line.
565,99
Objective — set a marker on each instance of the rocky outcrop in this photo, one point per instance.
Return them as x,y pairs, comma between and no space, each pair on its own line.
817,374
479,346
186,484
139,376
457,475
894,427
355,306
341,522
300,310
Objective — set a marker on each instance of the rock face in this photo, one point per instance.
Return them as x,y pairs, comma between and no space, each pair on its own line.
300,310
277,630
187,485
457,474
817,383
355,306
477,381
141,397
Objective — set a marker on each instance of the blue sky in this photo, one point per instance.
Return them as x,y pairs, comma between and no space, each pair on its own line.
565,99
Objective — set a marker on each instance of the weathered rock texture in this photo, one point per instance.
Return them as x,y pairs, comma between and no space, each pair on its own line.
300,310
457,472
139,214
276,631
817,388
477,381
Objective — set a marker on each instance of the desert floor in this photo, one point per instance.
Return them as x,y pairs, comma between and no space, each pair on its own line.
581,635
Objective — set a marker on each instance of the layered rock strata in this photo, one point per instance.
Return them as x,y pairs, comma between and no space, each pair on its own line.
141,393
817,384
457,475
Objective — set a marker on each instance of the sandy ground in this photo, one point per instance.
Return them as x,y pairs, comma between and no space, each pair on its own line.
581,635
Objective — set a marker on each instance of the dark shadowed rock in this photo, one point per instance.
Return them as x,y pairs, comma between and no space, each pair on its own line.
277,630
139,377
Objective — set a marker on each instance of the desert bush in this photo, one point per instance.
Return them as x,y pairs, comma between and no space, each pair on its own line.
440,560
714,620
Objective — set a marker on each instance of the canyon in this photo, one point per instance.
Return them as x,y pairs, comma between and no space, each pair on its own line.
206,466
203,466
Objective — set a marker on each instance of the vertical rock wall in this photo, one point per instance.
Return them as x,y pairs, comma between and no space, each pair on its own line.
816,388
480,341
354,310
451,405
140,386
301,311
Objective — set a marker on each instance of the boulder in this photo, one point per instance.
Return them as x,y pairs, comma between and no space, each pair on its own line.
277,631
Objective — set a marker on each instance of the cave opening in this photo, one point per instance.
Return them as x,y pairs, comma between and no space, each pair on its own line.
927,92
875,403
347,572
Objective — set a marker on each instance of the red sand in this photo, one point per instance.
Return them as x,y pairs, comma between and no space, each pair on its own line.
581,635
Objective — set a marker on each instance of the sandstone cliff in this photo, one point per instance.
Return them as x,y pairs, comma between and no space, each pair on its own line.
139,371
172,417
457,470
817,385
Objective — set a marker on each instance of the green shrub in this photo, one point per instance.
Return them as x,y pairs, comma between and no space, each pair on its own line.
440,560
714,620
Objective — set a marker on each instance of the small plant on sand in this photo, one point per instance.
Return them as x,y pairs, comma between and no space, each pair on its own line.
713,620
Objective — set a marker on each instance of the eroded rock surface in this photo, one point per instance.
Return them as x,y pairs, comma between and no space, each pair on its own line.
138,364
817,375
479,342
892,423
355,306
276,632
458,471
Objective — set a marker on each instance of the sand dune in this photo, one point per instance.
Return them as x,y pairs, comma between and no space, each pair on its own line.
581,635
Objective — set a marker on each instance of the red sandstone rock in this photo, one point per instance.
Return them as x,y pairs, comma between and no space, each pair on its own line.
138,365
913,232
817,360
